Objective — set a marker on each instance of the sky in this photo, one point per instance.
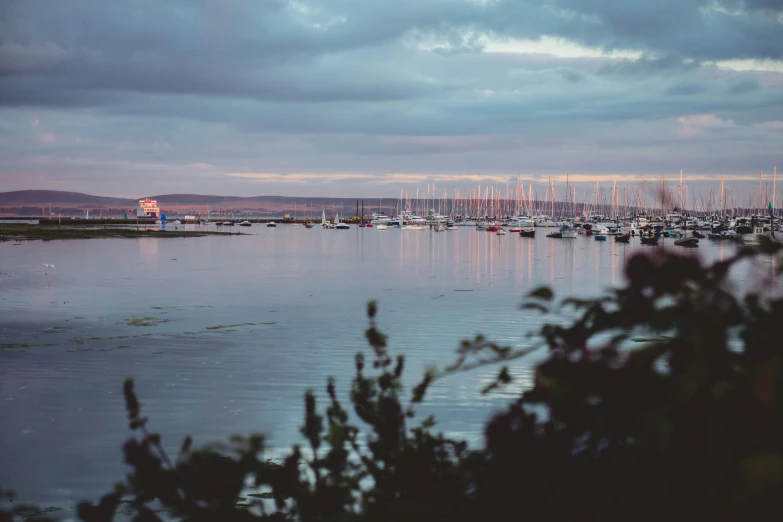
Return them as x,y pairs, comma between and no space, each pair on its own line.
363,98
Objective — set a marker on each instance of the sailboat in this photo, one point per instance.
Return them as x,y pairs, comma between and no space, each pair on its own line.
338,225
324,223
567,231
308,222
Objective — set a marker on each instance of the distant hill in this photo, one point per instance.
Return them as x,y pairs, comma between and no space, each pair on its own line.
23,198
29,202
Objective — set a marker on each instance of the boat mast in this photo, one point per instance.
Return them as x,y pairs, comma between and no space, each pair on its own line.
680,191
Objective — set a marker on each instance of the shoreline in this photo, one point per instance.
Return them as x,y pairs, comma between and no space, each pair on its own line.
10,232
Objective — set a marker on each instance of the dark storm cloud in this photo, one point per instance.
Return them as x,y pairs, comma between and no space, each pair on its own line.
295,51
119,88
693,29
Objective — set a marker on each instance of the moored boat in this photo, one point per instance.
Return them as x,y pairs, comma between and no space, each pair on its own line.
625,238
529,232
757,236
568,232
687,242
649,240
339,225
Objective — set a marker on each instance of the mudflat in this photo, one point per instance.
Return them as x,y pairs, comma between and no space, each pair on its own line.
47,233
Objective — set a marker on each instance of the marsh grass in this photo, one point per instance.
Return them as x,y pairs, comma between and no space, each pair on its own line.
145,321
238,325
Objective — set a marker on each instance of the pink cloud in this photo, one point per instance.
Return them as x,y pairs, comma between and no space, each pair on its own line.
704,120
771,79
689,132
695,125
45,137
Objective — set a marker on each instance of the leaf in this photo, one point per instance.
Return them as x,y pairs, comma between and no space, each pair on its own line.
542,292
762,472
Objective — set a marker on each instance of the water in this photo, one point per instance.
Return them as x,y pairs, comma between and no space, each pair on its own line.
296,298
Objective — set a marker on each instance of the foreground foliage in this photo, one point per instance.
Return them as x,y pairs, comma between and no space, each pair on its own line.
662,400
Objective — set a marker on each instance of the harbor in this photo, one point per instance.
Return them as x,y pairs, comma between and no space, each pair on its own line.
391,262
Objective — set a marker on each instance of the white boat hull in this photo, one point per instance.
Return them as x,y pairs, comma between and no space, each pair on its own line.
756,239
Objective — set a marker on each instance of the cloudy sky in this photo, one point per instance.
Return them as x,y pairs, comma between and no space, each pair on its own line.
359,98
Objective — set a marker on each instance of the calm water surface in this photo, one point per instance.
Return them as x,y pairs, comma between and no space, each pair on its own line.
245,324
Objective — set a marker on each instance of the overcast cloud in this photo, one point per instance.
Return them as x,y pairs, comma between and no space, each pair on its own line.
357,98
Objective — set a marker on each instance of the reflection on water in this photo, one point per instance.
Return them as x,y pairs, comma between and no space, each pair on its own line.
239,326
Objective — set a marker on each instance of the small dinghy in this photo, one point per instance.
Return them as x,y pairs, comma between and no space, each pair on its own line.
687,242
530,232
649,240
625,238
